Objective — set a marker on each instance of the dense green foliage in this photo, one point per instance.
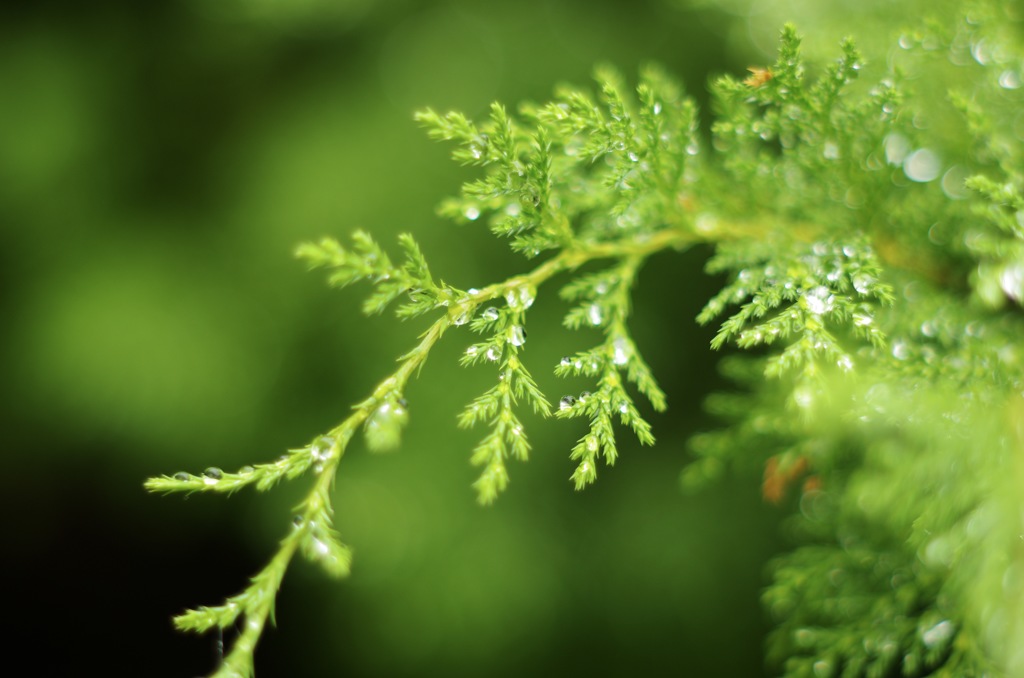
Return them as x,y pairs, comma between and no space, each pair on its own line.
869,229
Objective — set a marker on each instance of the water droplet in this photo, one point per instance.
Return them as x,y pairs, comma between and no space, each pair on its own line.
321,547
938,634
591,443
980,52
692,148
657,108
490,314
323,448
856,65
460,318
493,354
1011,279
905,42
516,335
896,148
803,396
623,407
862,282
566,402
517,431
181,475
633,156
1009,79
819,300
594,314
845,363
298,521
212,475
620,351
954,183
823,669
922,166
565,361
900,350
583,396
472,213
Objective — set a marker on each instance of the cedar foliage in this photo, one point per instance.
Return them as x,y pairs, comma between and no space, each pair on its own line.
868,219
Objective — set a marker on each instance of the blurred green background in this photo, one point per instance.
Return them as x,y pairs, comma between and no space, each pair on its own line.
159,161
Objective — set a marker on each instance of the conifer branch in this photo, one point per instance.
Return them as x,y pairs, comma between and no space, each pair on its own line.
873,343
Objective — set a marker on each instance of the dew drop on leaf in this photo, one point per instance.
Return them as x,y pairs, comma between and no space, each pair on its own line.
322,448
922,166
620,351
823,669
1011,279
594,314
566,402
517,335
862,283
803,396
181,475
938,634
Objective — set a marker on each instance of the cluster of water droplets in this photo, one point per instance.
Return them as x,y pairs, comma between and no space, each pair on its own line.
521,297
819,300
